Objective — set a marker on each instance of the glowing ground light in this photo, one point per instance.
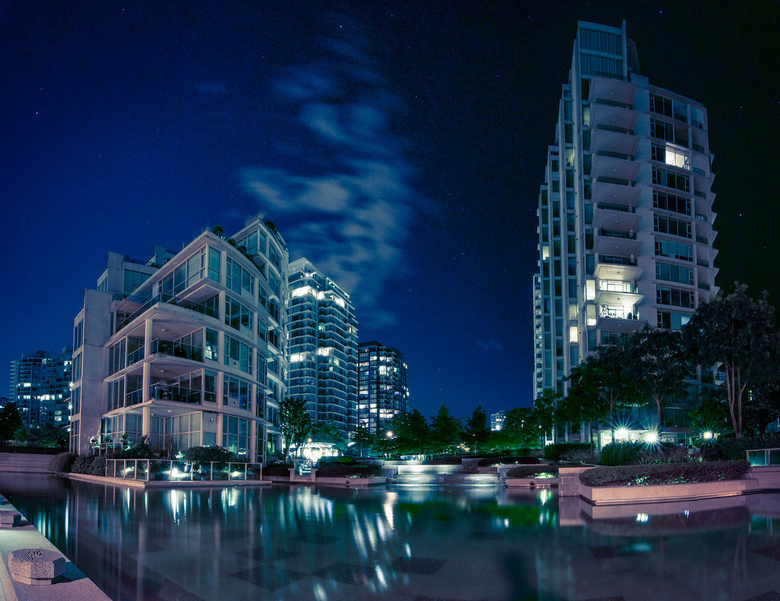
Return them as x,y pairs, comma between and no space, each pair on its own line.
707,435
621,433
651,437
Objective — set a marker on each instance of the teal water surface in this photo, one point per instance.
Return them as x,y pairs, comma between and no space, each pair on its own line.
327,544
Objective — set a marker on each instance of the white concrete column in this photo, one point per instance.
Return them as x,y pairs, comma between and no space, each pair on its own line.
146,422
147,382
148,335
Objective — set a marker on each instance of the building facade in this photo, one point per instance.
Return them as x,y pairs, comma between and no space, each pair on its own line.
40,387
185,349
625,212
322,348
497,421
383,385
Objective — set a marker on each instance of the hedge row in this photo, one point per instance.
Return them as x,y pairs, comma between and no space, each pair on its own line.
554,451
492,461
665,473
533,471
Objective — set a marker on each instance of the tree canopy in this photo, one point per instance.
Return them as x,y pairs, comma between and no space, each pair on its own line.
295,422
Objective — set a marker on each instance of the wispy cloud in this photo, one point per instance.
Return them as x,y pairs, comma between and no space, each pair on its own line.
490,345
348,202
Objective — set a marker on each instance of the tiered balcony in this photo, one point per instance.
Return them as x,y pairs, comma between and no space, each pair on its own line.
612,90
613,293
615,165
616,191
616,217
617,242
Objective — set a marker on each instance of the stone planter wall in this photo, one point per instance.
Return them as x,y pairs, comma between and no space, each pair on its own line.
615,495
532,482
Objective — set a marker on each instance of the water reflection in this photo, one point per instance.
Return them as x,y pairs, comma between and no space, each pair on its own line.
327,544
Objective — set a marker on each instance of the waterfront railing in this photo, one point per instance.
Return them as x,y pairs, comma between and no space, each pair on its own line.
178,470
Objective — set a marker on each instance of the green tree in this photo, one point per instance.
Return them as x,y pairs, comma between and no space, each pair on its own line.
518,431
658,365
445,431
476,432
10,421
364,440
740,334
47,435
712,414
295,422
543,414
410,434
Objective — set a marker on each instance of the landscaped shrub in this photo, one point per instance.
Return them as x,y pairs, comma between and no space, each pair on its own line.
343,460
621,453
207,454
734,449
90,465
493,461
554,451
62,463
141,450
358,470
580,456
530,471
665,473
278,469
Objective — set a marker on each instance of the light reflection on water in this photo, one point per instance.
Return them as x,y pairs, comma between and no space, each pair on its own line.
324,544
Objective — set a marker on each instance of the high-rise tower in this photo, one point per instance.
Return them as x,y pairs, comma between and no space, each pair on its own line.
322,351
40,387
384,389
625,211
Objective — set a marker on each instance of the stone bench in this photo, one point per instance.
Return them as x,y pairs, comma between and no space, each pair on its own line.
10,519
36,566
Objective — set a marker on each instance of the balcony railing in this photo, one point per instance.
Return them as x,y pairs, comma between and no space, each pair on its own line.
177,349
611,207
617,234
615,180
180,394
619,130
615,260
167,298
614,155
136,356
182,471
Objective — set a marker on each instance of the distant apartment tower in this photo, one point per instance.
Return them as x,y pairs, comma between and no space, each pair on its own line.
497,420
185,349
625,212
383,386
40,387
322,349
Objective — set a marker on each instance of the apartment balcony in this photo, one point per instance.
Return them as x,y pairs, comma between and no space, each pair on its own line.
616,217
617,242
612,267
178,394
618,293
175,348
614,165
618,318
617,191
612,118
611,90
605,140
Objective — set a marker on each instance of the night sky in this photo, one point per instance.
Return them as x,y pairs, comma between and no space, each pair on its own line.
398,145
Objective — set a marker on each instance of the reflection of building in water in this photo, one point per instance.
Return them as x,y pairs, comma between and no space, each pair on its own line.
185,349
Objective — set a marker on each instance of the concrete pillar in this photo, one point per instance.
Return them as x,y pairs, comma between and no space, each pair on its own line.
146,421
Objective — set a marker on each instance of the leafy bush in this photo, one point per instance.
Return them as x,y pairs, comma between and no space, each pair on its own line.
538,471
335,470
580,456
90,465
665,473
734,449
554,451
343,460
492,461
621,453
277,469
62,463
140,450
207,454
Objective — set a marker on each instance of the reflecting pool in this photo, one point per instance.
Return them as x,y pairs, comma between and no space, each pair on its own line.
329,544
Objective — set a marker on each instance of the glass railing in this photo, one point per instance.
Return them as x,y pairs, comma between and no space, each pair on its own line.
167,298
614,155
617,234
180,394
615,260
179,470
177,349
136,356
619,130
603,179
612,207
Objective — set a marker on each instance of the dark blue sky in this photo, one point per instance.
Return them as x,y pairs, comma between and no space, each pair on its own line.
398,145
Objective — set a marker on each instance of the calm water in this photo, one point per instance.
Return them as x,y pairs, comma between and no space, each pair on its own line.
326,544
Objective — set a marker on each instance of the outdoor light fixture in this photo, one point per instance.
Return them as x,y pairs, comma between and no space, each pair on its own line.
651,437
707,435
621,433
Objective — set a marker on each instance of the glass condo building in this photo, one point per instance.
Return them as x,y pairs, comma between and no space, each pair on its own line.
185,349
625,211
